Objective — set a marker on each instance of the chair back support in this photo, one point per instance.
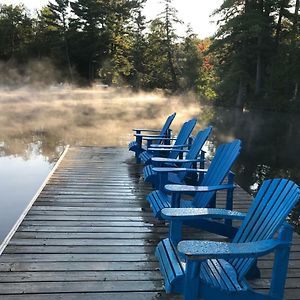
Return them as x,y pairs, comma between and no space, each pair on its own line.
196,147
164,130
183,136
269,209
223,160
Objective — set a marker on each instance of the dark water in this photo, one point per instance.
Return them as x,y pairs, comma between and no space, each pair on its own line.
270,144
270,148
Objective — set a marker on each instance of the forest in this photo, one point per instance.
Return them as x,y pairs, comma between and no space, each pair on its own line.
252,61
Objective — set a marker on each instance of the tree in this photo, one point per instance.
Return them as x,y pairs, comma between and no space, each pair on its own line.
15,32
249,39
169,18
191,61
119,65
89,35
158,74
58,18
139,48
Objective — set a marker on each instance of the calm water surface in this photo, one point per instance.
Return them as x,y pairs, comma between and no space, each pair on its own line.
20,178
271,148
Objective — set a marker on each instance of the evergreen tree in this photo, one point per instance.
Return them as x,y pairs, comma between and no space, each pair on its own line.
256,47
169,18
191,61
16,32
58,18
138,51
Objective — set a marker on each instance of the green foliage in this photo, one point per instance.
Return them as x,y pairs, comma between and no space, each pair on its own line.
15,32
253,60
256,47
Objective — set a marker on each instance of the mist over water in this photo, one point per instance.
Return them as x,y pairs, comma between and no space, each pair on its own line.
96,116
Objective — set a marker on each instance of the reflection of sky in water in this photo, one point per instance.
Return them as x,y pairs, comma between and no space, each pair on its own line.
19,181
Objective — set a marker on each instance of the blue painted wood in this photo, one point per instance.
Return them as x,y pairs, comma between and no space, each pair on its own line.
137,145
192,157
174,150
183,214
214,269
214,176
207,249
197,189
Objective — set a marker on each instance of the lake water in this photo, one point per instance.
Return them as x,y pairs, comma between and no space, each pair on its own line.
32,138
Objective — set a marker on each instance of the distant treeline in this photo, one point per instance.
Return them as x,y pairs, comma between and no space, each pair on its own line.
253,60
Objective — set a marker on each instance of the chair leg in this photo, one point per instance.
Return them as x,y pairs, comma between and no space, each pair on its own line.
191,284
281,261
139,149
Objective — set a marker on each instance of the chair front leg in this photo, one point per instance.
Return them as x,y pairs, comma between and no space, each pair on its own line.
281,261
139,148
162,180
192,278
175,232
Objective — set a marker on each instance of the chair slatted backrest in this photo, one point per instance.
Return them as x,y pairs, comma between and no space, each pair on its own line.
164,130
196,147
271,206
223,160
183,136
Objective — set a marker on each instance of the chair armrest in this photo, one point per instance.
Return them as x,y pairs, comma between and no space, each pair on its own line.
200,250
170,147
183,214
197,189
165,149
147,130
151,136
163,138
174,160
162,169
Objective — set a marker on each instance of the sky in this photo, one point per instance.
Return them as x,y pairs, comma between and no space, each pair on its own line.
194,12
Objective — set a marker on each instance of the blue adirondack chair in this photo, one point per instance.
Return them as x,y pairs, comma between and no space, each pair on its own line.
191,159
217,270
173,150
212,182
140,134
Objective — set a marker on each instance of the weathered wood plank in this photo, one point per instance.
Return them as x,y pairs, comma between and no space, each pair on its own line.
94,296
91,229
77,266
79,276
75,287
58,257
15,249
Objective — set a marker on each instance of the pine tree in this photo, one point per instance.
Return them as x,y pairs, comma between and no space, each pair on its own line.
16,32
57,18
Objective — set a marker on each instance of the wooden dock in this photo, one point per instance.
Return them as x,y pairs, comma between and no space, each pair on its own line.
90,235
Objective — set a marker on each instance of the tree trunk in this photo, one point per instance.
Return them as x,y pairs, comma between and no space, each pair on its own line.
296,91
170,54
297,5
240,100
283,4
258,82
68,59
293,45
